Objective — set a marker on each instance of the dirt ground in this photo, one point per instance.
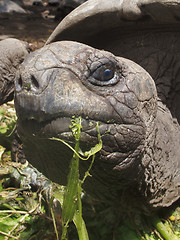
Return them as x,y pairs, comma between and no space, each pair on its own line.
34,27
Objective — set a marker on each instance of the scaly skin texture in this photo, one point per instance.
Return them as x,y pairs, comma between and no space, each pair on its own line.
144,31
139,154
147,32
12,53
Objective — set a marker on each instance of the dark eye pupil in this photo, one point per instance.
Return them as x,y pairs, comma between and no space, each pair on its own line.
107,74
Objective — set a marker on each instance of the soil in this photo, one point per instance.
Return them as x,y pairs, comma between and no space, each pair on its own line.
35,26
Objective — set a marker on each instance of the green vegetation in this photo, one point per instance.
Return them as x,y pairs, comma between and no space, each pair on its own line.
71,204
26,214
22,215
22,212
7,124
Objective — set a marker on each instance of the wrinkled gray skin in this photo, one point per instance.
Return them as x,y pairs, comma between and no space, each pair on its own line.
139,116
147,32
133,125
12,54
125,106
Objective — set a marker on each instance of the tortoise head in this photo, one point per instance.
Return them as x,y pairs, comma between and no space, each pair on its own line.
66,79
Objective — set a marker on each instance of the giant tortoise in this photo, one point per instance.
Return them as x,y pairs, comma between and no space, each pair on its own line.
116,63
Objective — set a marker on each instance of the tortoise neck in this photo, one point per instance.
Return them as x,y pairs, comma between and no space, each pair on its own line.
162,161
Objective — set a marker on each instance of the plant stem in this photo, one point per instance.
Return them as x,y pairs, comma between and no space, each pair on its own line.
162,229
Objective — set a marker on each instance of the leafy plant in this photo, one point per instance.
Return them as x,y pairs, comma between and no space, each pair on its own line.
7,123
22,215
71,204
7,119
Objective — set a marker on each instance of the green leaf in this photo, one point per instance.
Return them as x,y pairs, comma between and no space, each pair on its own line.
80,226
71,203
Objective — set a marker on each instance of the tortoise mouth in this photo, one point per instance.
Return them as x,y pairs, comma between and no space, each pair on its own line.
60,127
116,154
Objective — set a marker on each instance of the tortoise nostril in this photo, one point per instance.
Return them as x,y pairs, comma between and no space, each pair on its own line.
34,82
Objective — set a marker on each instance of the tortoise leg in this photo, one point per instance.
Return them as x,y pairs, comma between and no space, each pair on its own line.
12,53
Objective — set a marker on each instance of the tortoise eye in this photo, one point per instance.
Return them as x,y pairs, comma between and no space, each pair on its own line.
104,75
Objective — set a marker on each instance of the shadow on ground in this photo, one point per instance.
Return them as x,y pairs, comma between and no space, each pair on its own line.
33,27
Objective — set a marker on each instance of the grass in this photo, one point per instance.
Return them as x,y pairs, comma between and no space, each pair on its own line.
22,214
